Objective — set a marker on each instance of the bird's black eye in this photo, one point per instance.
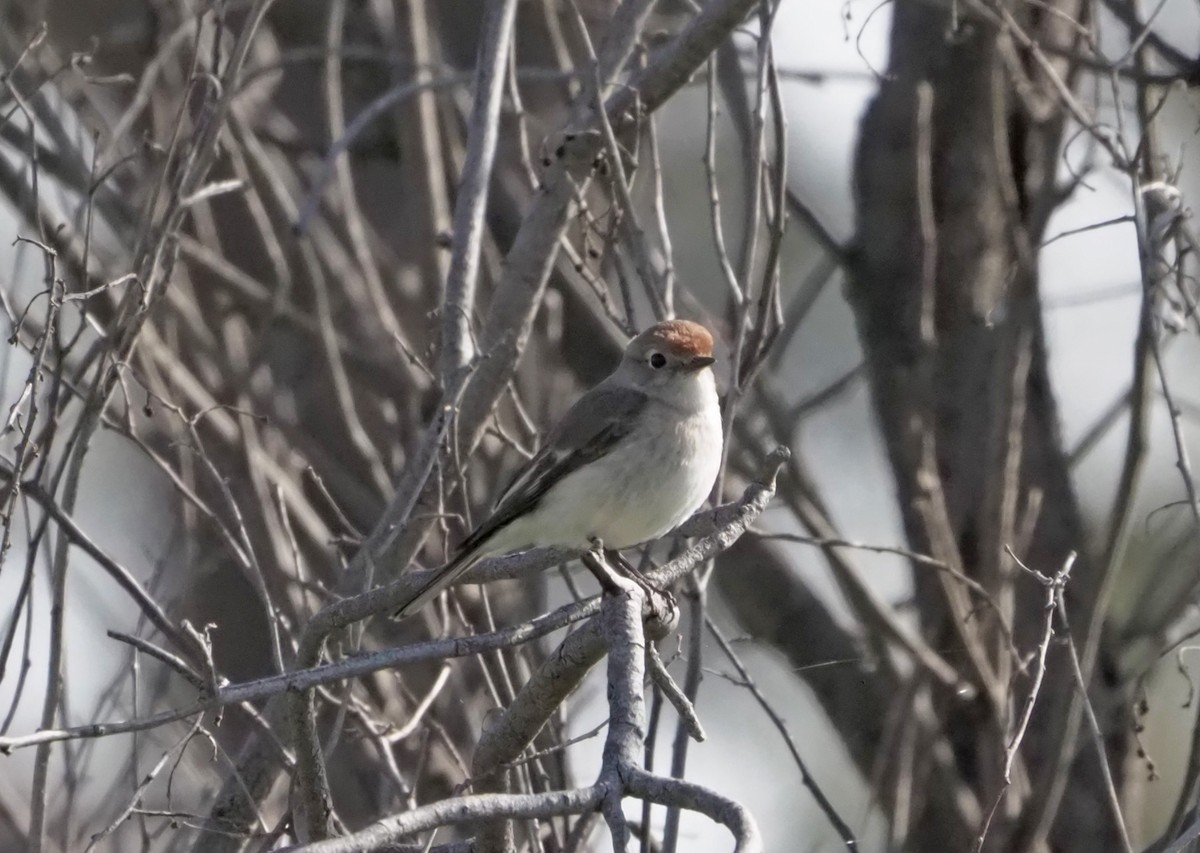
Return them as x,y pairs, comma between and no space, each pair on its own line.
658,360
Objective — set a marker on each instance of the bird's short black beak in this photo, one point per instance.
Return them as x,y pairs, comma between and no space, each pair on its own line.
699,362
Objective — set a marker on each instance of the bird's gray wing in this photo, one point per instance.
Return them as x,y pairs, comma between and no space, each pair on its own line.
589,430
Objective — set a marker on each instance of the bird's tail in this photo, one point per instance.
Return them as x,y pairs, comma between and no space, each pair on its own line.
439,579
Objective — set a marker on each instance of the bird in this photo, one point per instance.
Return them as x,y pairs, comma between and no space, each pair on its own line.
631,460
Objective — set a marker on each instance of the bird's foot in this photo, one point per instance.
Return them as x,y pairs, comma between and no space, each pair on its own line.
600,561
659,597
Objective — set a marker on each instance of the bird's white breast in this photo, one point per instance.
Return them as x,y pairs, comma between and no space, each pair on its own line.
657,476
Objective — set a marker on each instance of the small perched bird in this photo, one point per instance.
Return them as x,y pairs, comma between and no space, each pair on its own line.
629,462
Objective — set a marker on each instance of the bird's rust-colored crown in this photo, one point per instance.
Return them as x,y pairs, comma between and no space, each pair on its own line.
681,337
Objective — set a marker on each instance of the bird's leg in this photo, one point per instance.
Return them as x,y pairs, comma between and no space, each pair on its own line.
653,591
600,561
598,565
630,570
